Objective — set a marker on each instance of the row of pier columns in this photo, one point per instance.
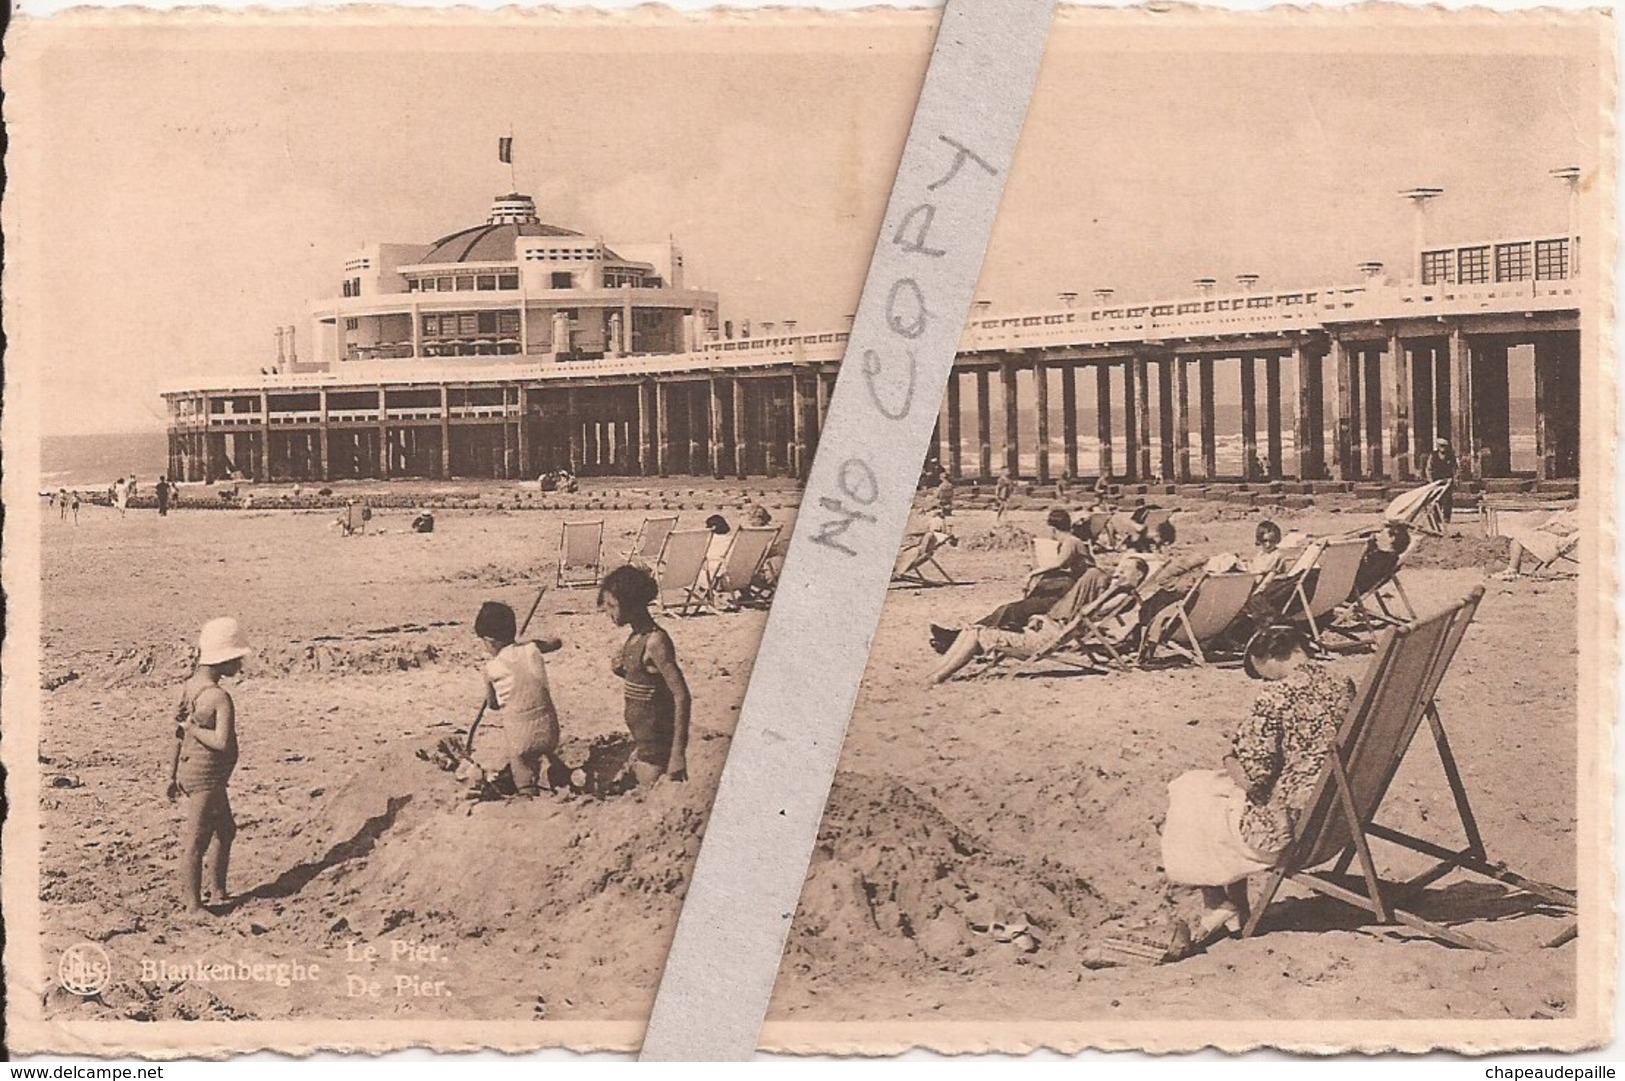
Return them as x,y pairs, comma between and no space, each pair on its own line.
1392,397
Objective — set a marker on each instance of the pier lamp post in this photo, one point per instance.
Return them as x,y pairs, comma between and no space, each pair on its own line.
767,327
1570,175
982,307
1102,297
1419,200
789,326
1067,299
1246,281
1205,285
1370,270
850,320
280,355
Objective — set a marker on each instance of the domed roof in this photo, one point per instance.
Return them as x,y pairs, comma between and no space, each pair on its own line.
512,216
488,243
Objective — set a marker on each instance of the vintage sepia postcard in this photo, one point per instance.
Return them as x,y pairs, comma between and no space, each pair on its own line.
406,414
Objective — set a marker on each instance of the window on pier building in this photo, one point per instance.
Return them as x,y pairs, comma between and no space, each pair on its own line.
508,279
562,279
444,285
352,287
1514,262
465,283
1473,265
1438,267
1551,259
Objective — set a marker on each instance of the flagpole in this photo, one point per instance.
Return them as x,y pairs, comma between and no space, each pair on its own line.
513,182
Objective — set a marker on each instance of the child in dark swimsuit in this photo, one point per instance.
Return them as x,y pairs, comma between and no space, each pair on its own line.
206,754
657,698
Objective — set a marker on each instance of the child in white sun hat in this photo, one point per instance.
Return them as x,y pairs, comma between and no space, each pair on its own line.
205,755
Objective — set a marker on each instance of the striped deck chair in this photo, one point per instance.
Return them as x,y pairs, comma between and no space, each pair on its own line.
917,562
1203,616
1338,823
1419,508
651,538
1324,588
680,571
581,554
737,575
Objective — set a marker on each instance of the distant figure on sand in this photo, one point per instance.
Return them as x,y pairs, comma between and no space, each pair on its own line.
945,498
121,496
205,755
658,704
161,491
61,501
1441,465
73,504
516,686
1003,490
1223,825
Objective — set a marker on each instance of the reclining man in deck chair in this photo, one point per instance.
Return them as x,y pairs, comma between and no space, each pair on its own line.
1381,559
1096,594
1223,825
1544,545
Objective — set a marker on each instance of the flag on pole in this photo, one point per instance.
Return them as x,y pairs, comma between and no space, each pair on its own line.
505,150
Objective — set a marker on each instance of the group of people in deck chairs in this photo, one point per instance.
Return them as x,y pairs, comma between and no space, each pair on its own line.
1198,607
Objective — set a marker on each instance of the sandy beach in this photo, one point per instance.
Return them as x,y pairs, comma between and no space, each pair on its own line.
990,799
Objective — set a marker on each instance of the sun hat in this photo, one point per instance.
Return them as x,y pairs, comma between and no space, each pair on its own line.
220,641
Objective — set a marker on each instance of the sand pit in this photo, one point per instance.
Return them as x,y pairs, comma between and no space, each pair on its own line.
964,818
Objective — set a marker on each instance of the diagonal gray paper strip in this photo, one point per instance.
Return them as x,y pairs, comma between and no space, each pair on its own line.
748,879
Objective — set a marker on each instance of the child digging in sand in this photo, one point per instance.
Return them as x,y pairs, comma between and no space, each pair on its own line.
205,755
657,698
516,684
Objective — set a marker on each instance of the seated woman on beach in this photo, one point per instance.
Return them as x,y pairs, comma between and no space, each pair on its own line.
1223,825
657,698
1096,594
1380,560
1544,545
1057,564
717,550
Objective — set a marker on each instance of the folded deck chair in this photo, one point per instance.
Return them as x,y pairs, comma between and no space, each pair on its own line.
680,571
1337,824
737,574
1205,613
355,519
581,553
651,538
1419,508
917,561
1317,596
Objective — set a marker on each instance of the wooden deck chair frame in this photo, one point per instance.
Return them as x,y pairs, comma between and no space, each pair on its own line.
1374,608
1427,516
1082,636
574,573
650,542
355,519
1199,602
737,572
690,580
1395,697
914,570
1318,604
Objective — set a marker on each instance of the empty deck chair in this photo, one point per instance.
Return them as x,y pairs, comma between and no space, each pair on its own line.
354,520
1384,604
645,551
1325,587
1197,621
917,561
1419,508
737,574
1395,697
581,553
680,571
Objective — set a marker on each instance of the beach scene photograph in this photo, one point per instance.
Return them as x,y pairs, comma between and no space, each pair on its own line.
407,429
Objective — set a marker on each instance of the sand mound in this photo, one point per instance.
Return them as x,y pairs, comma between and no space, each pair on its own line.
1000,538
890,861
1466,551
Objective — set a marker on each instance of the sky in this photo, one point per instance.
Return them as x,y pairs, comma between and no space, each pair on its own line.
185,188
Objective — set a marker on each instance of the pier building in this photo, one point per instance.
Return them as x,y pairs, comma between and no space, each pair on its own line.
515,347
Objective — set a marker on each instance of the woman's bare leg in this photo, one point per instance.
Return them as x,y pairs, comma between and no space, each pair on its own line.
224,827
196,831
964,648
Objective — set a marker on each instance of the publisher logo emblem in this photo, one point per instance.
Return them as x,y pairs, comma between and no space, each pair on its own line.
84,969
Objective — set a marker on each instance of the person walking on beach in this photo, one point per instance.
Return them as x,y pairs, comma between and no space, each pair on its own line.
121,496
73,503
1003,490
205,755
1441,465
61,500
658,703
516,685
161,491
